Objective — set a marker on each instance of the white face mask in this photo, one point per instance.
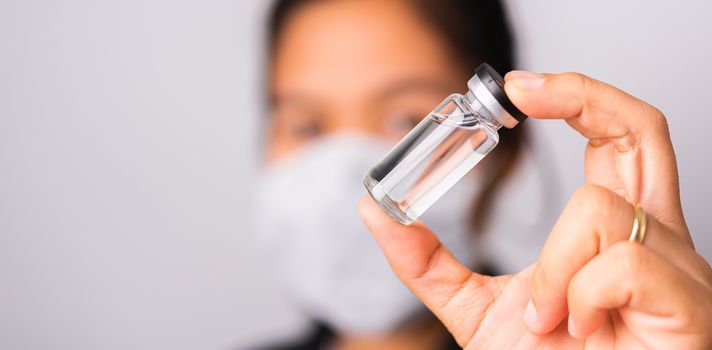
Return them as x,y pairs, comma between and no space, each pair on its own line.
324,256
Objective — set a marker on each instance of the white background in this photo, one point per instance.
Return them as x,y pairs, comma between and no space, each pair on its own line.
128,139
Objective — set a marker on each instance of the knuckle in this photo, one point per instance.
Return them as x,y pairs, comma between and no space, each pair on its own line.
586,83
542,282
577,289
707,273
633,259
585,87
593,202
659,120
580,77
652,119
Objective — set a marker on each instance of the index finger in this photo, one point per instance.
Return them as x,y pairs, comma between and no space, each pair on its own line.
635,136
595,109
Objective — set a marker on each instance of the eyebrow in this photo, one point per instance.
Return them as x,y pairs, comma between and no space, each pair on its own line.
413,85
395,89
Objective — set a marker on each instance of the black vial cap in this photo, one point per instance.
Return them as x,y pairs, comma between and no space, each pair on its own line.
494,83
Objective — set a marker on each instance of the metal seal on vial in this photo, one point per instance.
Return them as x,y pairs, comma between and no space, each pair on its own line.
487,88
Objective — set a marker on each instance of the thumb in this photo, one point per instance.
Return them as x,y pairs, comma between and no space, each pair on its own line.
456,295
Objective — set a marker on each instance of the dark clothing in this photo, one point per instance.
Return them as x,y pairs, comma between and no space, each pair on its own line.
321,336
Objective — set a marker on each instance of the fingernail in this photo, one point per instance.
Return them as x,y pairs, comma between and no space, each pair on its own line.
530,315
525,80
571,326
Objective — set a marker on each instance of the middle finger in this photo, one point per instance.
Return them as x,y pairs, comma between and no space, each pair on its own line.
594,219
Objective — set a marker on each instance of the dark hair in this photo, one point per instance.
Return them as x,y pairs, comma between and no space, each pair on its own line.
476,31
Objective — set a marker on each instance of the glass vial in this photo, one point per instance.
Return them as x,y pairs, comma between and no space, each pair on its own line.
443,147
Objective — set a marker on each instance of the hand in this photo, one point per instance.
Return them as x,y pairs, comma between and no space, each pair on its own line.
617,294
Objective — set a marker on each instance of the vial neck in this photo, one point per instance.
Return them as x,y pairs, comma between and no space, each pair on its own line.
479,109
493,123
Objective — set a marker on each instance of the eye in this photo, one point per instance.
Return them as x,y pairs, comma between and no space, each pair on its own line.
399,124
296,123
305,129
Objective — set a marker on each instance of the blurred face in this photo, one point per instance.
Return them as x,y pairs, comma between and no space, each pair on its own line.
372,67
369,66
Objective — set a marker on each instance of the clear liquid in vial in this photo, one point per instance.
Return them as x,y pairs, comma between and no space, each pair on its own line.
437,153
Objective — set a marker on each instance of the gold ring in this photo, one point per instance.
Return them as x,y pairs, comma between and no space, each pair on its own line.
640,225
